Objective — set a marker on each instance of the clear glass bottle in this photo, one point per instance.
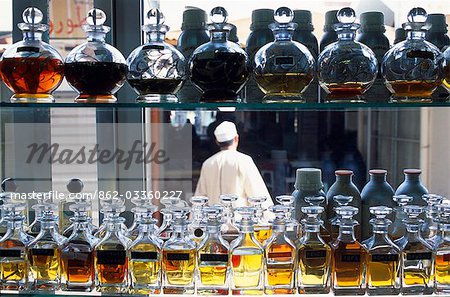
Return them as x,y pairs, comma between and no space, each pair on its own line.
442,249
263,229
349,256
165,230
417,256
110,212
138,211
318,201
284,68
95,69
280,256
31,68
44,271
429,228
110,257
77,253
383,256
156,70
340,200
412,68
144,255
346,68
213,256
314,255
293,227
231,70
397,229
179,257
247,254
197,227
13,265
229,230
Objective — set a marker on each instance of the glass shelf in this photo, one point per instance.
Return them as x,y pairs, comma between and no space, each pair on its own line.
230,106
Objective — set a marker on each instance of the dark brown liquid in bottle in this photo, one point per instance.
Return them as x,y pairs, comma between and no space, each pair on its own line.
32,76
219,75
96,80
162,86
77,260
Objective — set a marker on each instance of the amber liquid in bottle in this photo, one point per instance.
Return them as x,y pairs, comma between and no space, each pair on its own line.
112,267
32,77
179,267
44,267
442,271
348,269
418,89
262,234
346,91
283,83
96,81
280,268
13,266
77,264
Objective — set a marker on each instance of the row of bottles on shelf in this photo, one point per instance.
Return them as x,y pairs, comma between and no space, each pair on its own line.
285,64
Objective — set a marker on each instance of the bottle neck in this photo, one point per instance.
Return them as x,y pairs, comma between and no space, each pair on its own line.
154,36
413,177
96,37
179,230
378,178
219,36
312,234
246,226
32,35
283,34
415,35
279,226
345,179
347,233
347,36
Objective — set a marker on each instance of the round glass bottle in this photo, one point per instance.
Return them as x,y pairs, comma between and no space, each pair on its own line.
95,69
219,68
446,68
283,68
346,68
32,68
156,69
412,68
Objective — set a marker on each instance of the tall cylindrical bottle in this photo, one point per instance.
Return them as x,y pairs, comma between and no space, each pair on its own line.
260,35
412,186
377,192
193,34
344,186
372,34
303,34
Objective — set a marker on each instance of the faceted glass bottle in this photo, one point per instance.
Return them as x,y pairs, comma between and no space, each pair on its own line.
110,258
44,271
340,200
398,229
417,256
442,249
383,256
376,192
412,68
284,68
213,256
349,257
31,68
156,69
293,227
346,68
262,227
197,227
179,257
144,255
165,230
95,69
247,254
77,253
314,255
219,68
280,261
412,186
229,230
13,265
429,228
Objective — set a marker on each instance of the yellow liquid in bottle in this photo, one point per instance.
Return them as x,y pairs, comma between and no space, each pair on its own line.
247,269
179,272
13,270
213,275
382,274
262,234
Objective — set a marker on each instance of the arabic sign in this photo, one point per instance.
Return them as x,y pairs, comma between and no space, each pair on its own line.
67,17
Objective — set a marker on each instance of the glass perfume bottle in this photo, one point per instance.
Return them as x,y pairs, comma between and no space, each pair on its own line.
165,230
138,211
156,69
293,227
429,228
110,256
340,200
95,69
346,68
77,253
417,256
262,227
442,249
111,209
247,254
44,271
383,256
144,255
397,229
219,68
197,227
284,68
412,68
349,260
318,201
314,255
13,265
213,256
280,261
229,230
31,68
179,257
